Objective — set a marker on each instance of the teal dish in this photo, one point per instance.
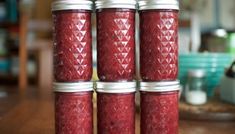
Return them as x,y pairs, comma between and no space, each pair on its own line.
213,63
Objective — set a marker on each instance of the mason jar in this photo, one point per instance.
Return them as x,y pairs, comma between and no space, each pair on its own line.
73,108
72,40
158,40
159,107
195,89
116,107
115,40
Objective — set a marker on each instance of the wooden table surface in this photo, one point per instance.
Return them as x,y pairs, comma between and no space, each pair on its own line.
31,112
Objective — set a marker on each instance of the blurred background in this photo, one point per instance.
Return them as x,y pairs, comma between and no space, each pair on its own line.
25,42
206,52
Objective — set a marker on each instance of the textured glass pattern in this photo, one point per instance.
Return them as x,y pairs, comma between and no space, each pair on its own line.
116,113
158,45
74,113
159,112
72,46
116,44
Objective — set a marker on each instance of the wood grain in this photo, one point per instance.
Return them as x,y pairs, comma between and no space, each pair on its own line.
33,112
214,109
23,55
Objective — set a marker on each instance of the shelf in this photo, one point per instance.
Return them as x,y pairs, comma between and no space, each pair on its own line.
8,24
13,80
8,79
213,110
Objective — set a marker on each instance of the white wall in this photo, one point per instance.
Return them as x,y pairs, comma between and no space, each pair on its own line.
227,13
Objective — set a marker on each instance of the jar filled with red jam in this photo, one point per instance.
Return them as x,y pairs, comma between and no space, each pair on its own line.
115,39
116,107
72,40
73,108
158,39
159,107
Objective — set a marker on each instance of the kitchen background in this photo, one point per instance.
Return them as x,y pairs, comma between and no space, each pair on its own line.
206,53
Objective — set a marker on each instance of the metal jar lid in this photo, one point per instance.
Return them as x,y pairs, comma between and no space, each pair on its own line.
71,5
160,86
73,87
129,4
116,87
158,4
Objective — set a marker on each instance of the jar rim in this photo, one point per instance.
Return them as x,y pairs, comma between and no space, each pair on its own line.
72,86
158,4
129,4
71,5
116,87
163,86
159,84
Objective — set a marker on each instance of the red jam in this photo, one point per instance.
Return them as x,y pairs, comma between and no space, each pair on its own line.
116,113
159,112
72,45
73,113
116,44
158,45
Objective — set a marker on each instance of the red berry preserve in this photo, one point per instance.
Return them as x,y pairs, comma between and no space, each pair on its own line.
73,108
72,40
115,40
159,109
159,40
116,107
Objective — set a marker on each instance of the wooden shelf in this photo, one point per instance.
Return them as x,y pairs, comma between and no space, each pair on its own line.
8,24
213,110
13,80
8,79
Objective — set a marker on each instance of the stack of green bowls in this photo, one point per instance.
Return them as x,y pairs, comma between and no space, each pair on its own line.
213,63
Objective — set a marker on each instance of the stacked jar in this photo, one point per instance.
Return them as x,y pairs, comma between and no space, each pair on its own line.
116,107
116,66
72,66
159,107
159,66
73,108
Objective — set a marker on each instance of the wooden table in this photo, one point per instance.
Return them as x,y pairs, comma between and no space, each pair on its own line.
31,112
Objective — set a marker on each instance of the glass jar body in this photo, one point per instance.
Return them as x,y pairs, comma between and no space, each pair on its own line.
72,45
195,90
116,44
159,112
74,112
116,113
158,44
